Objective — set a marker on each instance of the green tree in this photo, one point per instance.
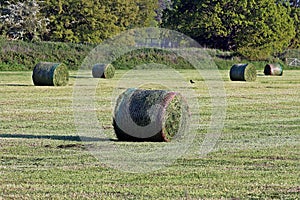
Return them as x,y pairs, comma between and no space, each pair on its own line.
78,21
93,21
255,28
295,14
269,32
295,3
162,5
147,12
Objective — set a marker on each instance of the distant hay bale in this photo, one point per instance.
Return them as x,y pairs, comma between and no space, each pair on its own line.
274,69
50,74
243,72
103,71
149,115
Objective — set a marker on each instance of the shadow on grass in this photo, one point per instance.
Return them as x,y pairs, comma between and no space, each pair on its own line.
16,85
87,77
55,137
261,75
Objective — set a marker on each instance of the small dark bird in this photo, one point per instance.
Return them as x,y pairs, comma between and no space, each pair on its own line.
191,81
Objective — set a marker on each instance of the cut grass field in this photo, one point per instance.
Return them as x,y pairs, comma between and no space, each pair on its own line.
256,157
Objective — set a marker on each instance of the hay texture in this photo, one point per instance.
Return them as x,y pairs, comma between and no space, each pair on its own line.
50,74
243,72
103,71
149,115
273,69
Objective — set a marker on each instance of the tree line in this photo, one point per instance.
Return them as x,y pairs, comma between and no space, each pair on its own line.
77,21
256,29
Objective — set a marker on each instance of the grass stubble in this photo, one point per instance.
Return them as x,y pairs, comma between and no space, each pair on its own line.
256,157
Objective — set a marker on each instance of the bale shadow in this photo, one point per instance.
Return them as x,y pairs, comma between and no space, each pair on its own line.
86,77
55,137
16,85
261,74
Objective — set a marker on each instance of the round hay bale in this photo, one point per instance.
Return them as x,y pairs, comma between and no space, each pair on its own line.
50,74
149,115
103,71
243,72
274,69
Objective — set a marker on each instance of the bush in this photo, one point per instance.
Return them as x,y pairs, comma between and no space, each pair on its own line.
151,55
20,55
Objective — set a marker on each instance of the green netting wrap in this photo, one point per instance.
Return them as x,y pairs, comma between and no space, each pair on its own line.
243,72
50,74
103,71
149,115
273,69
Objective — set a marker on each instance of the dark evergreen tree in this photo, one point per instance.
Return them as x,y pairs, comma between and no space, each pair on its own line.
255,28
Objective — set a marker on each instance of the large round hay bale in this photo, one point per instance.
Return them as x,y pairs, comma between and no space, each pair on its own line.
50,74
274,69
103,71
243,72
149,115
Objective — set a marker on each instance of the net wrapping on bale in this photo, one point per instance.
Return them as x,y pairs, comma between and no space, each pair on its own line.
50,74
103,71
243,72
149,115
273,69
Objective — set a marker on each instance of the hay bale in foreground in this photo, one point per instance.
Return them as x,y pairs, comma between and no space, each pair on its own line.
243,72
274,69
103,71
50,74
149,115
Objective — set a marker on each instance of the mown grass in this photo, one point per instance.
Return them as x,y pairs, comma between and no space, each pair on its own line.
256,157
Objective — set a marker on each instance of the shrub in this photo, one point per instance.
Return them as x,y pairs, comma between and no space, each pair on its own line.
20,55
151,55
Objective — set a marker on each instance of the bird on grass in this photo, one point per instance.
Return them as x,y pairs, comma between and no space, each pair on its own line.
191,81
